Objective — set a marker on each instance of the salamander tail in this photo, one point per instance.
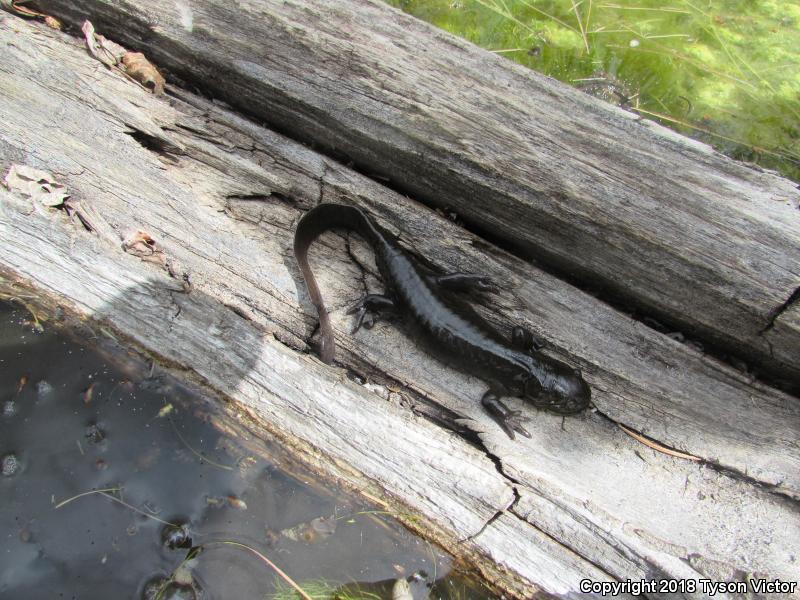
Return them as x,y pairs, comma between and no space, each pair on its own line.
314,223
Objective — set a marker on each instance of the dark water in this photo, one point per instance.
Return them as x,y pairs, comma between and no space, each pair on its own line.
75,420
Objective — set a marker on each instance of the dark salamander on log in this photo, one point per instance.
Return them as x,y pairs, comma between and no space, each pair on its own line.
449,327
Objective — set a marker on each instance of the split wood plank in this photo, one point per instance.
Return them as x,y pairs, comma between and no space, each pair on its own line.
620,204
222,206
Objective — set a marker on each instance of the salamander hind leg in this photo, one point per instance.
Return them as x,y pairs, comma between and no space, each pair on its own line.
371,303
464,282
509,420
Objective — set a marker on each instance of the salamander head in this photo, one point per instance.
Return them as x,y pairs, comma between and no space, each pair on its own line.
572,393
561,390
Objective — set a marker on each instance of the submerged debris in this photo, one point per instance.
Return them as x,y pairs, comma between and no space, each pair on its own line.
88,393
176,536
43,389
164,411
313,531
94,434
10,465
401,590
162,588
232,501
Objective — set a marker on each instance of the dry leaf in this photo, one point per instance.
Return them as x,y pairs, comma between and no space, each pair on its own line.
133,64
236,503
40,186
107,52
143,71
232,501
142,244
52,22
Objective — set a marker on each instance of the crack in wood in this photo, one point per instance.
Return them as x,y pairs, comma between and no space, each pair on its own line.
779,310
159,145
596,564
322,182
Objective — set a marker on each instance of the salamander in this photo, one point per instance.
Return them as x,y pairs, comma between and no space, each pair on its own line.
433,303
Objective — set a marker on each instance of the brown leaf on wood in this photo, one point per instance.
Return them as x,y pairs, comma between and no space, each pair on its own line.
133,64
143,71
52,22
40,186
107,52
141,244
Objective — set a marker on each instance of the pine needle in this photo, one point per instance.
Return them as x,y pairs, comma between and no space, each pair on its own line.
657,446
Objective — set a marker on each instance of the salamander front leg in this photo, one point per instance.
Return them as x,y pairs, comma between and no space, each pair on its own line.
523,339
464,282
509,420
371,303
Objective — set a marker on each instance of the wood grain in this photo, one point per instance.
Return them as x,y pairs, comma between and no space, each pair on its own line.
220,195
652,219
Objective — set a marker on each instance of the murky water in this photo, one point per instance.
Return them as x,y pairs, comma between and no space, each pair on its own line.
115,485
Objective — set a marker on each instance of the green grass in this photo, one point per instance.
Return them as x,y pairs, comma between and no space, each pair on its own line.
321,589
726,72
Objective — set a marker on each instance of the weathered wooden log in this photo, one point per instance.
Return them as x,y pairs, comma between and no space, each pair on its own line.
219,195
646,216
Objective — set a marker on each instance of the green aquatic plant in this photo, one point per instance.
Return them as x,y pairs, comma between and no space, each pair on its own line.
321,589
726,72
